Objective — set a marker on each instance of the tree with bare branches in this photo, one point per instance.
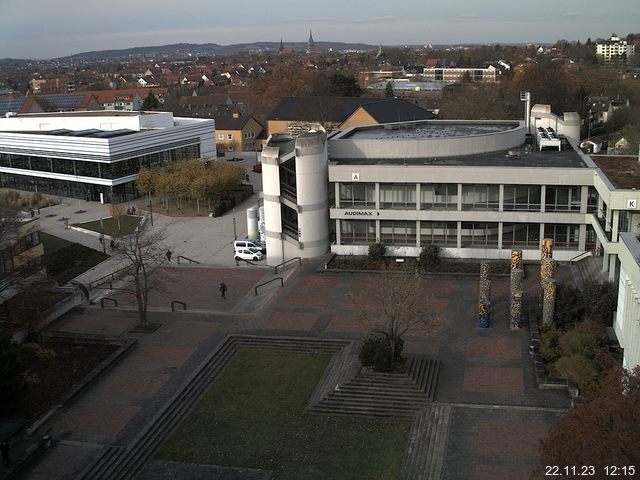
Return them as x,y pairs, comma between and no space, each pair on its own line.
394,305
143,252
9,221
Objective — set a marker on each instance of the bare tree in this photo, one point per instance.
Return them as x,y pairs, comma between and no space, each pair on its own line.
9,222
143,252
394,305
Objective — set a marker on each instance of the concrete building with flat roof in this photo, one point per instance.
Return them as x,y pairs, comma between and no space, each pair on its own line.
95,155
477,189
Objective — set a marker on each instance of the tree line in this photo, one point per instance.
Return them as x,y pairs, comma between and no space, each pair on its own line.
189,180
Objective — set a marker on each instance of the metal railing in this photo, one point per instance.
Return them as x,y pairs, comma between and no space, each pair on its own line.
115,302
173,305
107,278
186,258
275,269
580,256
255,290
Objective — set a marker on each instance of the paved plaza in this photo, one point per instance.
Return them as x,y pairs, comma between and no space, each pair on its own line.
486,375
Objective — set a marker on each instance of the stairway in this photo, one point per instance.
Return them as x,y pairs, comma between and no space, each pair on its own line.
587,270
383,394
425,455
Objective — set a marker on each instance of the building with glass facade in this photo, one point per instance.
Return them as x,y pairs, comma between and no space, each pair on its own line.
95,155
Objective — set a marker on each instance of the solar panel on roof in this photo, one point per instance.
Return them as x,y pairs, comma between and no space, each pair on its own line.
11,105
64,101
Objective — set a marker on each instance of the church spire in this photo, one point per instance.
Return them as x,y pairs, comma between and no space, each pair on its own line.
311,44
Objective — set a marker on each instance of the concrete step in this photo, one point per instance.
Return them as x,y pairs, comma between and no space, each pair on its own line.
588,269
414,462
383,394
438,442
425,454
101,462
369,411
378,391
292,344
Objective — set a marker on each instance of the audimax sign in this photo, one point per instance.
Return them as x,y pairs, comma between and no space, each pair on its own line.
361,213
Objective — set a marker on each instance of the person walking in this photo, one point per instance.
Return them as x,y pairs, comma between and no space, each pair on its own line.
4,449
168,254
223,290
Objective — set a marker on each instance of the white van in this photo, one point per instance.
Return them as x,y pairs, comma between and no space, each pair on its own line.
246,243
248,254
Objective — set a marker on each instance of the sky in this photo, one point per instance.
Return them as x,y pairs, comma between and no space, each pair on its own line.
56,28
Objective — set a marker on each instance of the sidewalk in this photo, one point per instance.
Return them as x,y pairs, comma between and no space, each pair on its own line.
206,240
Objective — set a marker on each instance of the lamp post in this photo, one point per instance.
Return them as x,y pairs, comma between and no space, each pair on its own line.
150,207
235,236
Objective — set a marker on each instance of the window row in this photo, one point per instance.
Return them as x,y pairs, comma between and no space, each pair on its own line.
445,234
82,168
474,197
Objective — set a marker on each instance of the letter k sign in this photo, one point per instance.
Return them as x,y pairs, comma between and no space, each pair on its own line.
631,203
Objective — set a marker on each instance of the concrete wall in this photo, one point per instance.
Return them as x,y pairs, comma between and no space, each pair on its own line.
626,323
269,158
313,207
346,148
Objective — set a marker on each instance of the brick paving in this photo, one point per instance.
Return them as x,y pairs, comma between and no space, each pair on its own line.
493,380
498,348
509,437
291,321
197,287
488,443
498,414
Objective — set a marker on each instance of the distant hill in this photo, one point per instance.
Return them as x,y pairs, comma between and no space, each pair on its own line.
194,49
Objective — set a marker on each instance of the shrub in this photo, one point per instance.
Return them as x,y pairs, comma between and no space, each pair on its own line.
600,301
574,342
429,256
578,369
569,308
376,353
377,251
596,301
549,346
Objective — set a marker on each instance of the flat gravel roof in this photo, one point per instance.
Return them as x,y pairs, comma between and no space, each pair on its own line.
506,158
431,130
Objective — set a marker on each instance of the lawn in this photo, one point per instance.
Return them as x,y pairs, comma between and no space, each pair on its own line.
52,244
66,260
253,417
109,226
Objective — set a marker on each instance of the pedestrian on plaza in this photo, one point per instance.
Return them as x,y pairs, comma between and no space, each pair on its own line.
168,254
101,239
223,290
4,449
113,244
